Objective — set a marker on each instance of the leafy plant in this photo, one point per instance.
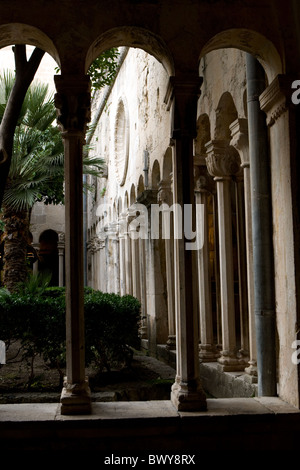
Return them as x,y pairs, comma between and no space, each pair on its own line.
36,173
35,285
35,316
111,328
102,71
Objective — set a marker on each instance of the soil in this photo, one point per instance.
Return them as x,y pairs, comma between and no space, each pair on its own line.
145,379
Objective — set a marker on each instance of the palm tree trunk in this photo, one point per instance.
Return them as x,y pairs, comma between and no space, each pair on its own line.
15,248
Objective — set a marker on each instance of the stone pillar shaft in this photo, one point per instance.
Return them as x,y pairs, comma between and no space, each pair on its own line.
61,259
239,134
207,351
187,393
73,104
128,258
165,197
223,163
283,121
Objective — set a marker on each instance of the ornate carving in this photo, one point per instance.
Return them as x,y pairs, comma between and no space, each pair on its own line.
222,159
72,102
164,195
202,179
274,101
61,237
239,140
95,244
148,197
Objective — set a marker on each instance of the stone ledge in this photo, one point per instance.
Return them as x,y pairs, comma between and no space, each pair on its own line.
39,412
152,426
222,384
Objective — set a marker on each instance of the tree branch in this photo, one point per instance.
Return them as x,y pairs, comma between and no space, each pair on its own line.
25,72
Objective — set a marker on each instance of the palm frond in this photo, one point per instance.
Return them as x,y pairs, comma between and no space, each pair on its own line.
19,200
37,167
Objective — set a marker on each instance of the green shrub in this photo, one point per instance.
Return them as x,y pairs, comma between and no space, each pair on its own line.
38,323
111,325
36,318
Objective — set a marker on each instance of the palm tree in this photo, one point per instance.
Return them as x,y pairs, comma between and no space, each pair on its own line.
36,174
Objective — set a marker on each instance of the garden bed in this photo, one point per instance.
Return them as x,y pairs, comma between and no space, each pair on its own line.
145,379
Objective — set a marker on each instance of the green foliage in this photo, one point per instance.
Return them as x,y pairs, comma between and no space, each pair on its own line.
111,324
35,285
103,70
36,170
37,166
35,316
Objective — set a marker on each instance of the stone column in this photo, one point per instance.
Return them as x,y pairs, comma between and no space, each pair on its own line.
135,259
222,163
283,121
143,331
239,134
242,266
122,260
111,253
100,264
128,257
116,259
207,349
35,267
157,323
187,392
90,252
73,105
165,198
61,258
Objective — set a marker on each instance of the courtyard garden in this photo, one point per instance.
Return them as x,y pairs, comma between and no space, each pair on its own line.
32,325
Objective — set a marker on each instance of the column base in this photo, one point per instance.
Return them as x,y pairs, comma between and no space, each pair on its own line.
171,343
188,397
75,399
230,363
251,372
208,353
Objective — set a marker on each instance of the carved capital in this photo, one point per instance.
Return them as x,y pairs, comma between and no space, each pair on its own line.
164,195
95,244
222,159
203,181
276,98
239,140
148,197
61,237
72,102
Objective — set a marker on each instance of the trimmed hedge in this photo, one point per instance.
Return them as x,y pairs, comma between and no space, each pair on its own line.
37,321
